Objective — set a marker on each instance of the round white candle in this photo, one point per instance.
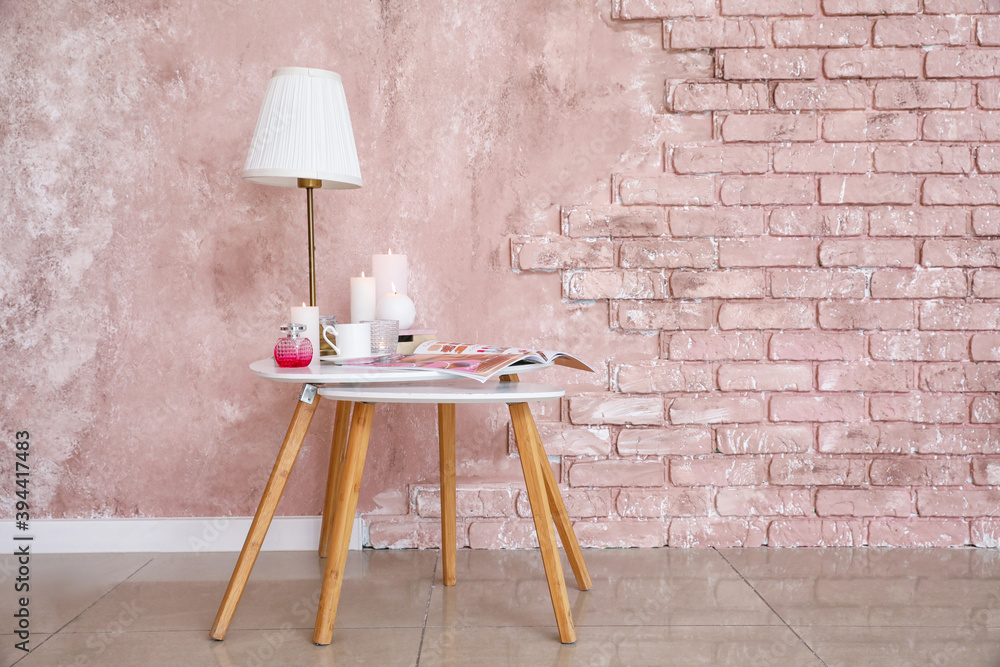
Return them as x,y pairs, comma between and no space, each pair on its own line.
389,270
363,298
309,317
396,306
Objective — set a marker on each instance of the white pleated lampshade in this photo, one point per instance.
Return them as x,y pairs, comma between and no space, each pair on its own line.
304,131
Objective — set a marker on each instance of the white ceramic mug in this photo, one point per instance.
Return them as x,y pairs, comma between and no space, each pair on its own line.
353,340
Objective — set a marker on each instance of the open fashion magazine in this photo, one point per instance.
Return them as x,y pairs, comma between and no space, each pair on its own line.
479,362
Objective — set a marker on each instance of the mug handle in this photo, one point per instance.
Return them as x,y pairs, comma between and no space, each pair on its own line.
330,327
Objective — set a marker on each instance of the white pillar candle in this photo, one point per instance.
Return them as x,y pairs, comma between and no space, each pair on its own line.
363,298
308,316
399,307
389,270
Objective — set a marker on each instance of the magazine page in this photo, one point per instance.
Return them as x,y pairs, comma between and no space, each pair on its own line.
537,356
476,366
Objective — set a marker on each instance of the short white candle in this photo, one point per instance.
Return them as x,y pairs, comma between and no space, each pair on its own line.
399,307
389,270
308,316
362,298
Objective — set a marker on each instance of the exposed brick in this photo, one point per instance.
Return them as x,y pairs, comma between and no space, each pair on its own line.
988,32
986,221
718,97
919,346
816,345
669,190
752,64
789,96
988,94
823,408
720,159
959,190
612,284
716,410
764,439
613,221
919,472
926,284
654,9
673,128
873,64
986,533
716,222
860,438
960,252
666,502
822,32
664,376
869,189
771,377
673,441
918,221
613,534
817,221
923,31
733,284
923,95
863,502
769,7
768,251
669,315
823,158
918,532
929,159
979,377
870,7
986,470
768,190
870,126
961,6
617,473
405,533
871,376
685,65
866,315
717,533
561,439
767,315
717,34
666,254
718,471
985,347
811,284
580,503
769,127
716,345
967,62
817,470
764,502
945,439
869,252
542,254
988,159
477,502
985,410
937,316
615,409
815,533
958,502
961,126
919,407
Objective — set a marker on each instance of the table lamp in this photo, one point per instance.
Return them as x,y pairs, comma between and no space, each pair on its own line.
304,139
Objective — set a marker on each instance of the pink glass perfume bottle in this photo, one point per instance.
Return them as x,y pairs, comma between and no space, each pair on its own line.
293,351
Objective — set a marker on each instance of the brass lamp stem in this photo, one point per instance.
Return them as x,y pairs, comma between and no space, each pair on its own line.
309,184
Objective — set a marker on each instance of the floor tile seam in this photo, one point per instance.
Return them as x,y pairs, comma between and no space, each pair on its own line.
769,606
427,607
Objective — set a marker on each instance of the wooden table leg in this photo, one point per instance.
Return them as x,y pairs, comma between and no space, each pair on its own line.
347,504
446,445
558,508
338,449
525,434
289,451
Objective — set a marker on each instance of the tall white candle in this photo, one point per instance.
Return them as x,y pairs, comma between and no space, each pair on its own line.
363,298
309,316
389,270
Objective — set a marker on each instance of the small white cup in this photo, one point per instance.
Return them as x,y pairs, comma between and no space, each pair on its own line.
353,340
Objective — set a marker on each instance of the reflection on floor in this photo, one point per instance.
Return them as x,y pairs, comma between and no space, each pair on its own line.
647,607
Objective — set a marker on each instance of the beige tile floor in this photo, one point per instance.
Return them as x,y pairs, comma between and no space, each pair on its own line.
850,607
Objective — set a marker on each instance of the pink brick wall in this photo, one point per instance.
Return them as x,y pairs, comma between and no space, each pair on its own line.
817,250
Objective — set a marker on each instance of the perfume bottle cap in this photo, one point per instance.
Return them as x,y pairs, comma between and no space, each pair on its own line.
293,329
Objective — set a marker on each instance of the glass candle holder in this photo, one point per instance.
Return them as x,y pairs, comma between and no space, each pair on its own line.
385,336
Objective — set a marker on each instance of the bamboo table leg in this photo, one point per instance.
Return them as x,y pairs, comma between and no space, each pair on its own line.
531,466
446,447
347,504
338,448
289,451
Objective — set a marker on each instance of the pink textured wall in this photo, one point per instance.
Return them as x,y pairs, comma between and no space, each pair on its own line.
784,261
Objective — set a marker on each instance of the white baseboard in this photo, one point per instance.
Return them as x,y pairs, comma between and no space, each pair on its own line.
65,536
